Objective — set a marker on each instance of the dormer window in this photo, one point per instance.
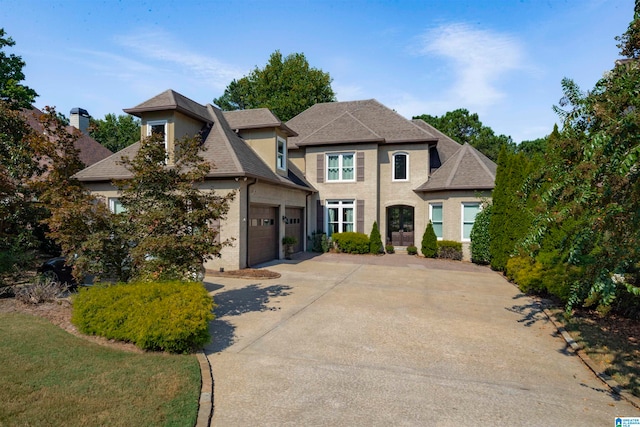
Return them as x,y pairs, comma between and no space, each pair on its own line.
281,157
158,127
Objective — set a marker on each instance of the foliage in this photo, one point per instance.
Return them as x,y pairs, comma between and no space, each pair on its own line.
375,241
630,40
533,148
480,237
390,249
168,316
319,242
449,249
351,242
511,215
166,215
287,86
115,133
465,128
13,93
412,250
429,246
289,240
43,290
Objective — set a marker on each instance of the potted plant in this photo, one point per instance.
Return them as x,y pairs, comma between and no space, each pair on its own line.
288,242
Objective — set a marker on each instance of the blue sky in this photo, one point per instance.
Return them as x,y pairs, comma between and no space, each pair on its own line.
501,59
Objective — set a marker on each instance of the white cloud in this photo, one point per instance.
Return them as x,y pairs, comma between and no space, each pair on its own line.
479,59
164,49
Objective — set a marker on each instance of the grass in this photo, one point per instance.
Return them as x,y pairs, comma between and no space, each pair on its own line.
612,342
50,377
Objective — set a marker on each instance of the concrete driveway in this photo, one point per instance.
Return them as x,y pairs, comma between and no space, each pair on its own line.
335,341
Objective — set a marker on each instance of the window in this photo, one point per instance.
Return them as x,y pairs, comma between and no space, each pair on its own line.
340,215
281,160
469,212
340,167
401,167
115,206
158,127
435,213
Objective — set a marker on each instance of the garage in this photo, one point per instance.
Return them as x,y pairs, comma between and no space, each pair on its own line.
294,226
263,234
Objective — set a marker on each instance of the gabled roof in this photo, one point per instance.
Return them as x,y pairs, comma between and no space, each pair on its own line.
171,100
90,150
446,146
229,155
467,169
257,118
353,121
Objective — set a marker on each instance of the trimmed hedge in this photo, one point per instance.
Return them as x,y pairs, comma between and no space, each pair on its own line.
390,249
351,242
449,249
480,237
412,250
169,316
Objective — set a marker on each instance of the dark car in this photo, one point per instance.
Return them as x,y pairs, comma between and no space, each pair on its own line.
57,270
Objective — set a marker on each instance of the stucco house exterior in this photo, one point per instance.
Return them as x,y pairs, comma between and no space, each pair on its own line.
335,167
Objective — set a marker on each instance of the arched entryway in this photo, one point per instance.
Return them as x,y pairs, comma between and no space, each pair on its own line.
400,230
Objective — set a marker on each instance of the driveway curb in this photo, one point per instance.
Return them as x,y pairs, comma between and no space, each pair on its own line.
610,382
205,406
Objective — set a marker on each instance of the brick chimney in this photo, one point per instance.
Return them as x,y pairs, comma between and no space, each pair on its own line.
79,119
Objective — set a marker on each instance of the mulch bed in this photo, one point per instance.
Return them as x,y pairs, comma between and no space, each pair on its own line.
246,273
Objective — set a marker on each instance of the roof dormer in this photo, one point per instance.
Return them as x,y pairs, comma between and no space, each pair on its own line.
265,134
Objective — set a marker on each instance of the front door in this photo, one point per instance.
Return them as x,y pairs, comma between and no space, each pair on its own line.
400,225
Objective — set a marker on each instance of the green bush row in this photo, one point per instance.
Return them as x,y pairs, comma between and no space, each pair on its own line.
168,316
351,242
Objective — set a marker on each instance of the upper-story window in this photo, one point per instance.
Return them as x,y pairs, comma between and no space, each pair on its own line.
401,167
158,127
341,167
115,206
281,160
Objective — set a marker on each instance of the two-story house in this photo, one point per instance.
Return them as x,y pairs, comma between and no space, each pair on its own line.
335,167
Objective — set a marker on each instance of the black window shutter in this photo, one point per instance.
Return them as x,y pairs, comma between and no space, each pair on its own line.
319,216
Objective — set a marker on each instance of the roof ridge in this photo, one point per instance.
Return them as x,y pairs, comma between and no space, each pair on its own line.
476,153
458,158
223,134
321,127
363,125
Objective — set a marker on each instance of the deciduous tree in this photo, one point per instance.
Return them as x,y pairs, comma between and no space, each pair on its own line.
287,86
115,133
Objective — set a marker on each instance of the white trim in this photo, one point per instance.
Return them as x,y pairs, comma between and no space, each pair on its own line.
393,166
340,167
152,123
113,204
341,205
280,140
462,222
440,204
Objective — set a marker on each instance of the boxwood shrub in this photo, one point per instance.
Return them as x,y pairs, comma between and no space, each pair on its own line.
449,249
351,242
168,316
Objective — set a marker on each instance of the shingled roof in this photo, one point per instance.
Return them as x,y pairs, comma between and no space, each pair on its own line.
353,122
466,169
229,155
255,119
90,150
171,100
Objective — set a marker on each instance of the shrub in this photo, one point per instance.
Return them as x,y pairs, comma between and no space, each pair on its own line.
412,250
44,290
351,242
449,249
390,249
480,238
170,316
319,242
429,242
375,241
526,273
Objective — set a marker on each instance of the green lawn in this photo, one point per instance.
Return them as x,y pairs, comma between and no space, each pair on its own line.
50,377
